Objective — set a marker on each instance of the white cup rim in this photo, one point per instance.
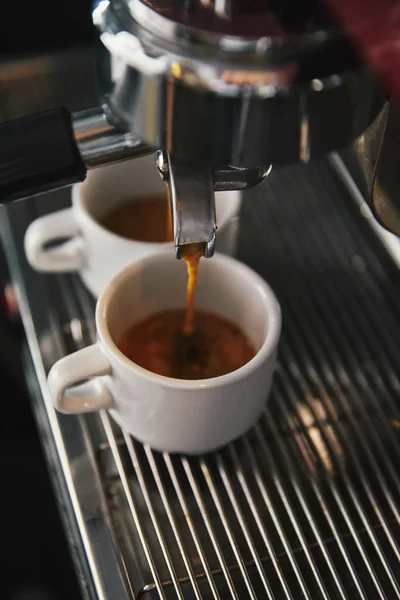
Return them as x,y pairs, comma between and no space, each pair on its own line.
267,349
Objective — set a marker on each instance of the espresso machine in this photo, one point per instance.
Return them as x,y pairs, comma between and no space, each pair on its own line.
259,96
222,90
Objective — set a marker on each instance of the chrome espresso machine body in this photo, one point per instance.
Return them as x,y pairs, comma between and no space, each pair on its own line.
222,90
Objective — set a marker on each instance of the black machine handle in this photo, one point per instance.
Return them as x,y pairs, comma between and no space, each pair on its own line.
38,153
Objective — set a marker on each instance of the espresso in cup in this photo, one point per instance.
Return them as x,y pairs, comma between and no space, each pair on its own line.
188,343
216,347
145,219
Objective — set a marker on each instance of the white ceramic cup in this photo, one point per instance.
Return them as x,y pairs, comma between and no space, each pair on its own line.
96,253
169,414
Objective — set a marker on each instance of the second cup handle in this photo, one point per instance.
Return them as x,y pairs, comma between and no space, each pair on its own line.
88,363
50,228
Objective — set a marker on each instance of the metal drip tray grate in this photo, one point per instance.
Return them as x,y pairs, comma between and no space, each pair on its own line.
307,504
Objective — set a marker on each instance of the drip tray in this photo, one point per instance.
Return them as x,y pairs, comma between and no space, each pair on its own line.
307,505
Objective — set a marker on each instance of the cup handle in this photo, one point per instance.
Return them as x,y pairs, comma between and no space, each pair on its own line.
50,228
88,363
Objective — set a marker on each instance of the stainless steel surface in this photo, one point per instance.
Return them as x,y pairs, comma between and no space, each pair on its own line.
101,143
191,193
231,98
377,152
307,504
235,178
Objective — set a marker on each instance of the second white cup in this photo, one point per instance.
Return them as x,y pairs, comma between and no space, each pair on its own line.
96,253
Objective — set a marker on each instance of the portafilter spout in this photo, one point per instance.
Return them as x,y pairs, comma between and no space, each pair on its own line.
191,193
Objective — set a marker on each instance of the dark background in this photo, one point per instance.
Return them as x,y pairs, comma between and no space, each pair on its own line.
30,26
37,564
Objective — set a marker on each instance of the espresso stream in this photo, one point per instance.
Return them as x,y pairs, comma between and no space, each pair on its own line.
191,254
180,343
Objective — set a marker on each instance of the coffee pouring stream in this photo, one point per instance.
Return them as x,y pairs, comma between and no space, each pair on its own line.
223,89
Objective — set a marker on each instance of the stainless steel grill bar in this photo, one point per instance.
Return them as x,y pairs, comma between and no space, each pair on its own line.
343,371
291,468
372,499
358,468
324,394
303,446
340,504
275,520
132,506
222,515
306,452
366,390
189,522
363,331
172,521
366,327
154,520
242,521
262,529
210,530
